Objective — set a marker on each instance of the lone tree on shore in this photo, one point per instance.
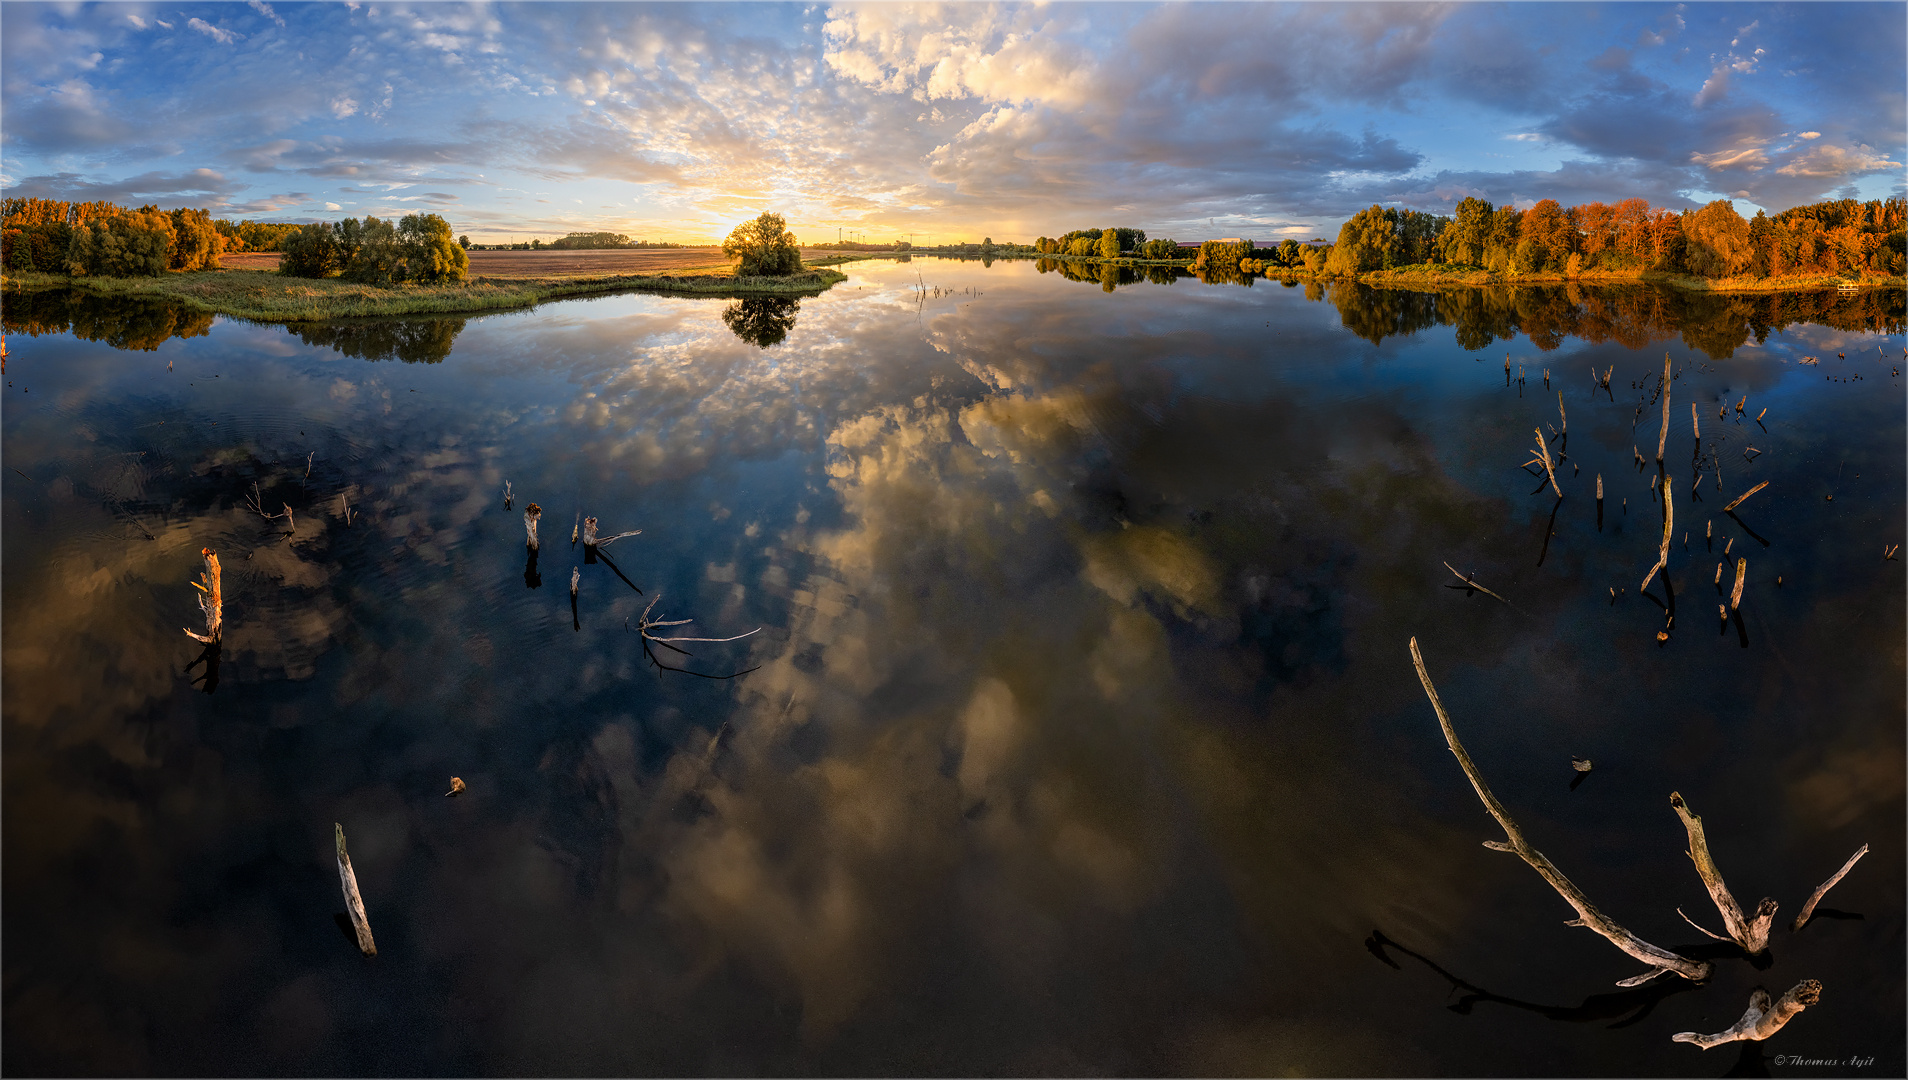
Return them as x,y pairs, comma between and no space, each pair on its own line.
764,248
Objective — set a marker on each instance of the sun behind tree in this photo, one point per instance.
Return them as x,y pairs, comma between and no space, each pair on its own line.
764,248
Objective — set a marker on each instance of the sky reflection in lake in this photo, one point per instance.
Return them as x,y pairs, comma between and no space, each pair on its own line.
1083,737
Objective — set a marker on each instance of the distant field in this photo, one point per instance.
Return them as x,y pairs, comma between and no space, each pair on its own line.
545,264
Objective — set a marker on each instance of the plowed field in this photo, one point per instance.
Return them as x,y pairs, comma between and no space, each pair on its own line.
546,264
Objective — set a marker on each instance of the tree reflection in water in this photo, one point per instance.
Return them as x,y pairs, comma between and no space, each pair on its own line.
762,321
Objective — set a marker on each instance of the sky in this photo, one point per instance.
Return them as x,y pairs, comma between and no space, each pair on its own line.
945,122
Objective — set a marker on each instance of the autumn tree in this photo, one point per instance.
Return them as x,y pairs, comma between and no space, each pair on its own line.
126,244
197,241
1717,240
763,248
1110,244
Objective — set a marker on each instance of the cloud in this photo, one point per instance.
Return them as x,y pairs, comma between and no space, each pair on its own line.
223,37
333,207
1826,161
266,10
1808,134
1748,158
343,106
195,187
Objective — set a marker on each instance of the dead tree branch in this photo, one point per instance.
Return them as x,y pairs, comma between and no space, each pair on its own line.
1808,909
1472,582
1660,960
1663,438
353,903
1740,499
1763,1018
1669,525
1752,933
212,603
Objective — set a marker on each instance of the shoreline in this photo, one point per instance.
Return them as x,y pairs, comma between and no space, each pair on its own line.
267,297
1413,278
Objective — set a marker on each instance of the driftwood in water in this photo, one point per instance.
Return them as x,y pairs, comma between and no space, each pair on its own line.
573,527
1695,427
1543,458
1669,523
576,575
457,787
1660,960
1738,501
589,532
1750,932
1763,1019
1735,595
644,624
211,600
1663,439
1808,909
1472,582
353,902
531,515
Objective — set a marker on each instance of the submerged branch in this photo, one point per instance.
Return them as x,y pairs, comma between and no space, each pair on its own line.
353,903
1750,932
1808,909
1660,960
1763,1018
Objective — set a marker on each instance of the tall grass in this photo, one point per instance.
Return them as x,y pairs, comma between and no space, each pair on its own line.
262,296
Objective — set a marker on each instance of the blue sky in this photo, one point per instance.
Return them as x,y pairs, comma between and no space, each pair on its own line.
946,121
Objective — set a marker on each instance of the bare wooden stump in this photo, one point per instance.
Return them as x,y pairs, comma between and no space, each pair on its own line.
1763,1018
531,515
211,600
1735,595
1661,961
353,902
1750,932
1808,909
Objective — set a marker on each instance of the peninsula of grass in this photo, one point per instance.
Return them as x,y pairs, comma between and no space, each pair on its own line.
263,296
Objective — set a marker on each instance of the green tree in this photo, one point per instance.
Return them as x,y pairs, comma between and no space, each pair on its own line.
1110,245
310,252
464,241
763,248
370,252
1464,240
426,253
1369,241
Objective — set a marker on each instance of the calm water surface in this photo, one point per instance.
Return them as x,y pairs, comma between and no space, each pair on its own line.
1081,735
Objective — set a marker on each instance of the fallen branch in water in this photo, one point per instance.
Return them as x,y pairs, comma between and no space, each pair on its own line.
353,903
1745,495
1750,932
211,600
531,515
1763,1018
1660,960
1669,523
1808,909
1472,582
1735,595
1663,438
644,624
573,527
1543,457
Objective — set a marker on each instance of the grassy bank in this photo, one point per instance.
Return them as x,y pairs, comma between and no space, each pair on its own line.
267,297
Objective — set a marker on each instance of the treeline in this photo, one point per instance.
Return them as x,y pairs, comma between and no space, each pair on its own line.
1838,237
416,250
1716,324
577,241
1112,243
105,239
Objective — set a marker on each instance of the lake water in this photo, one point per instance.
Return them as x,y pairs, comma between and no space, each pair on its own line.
1079,736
